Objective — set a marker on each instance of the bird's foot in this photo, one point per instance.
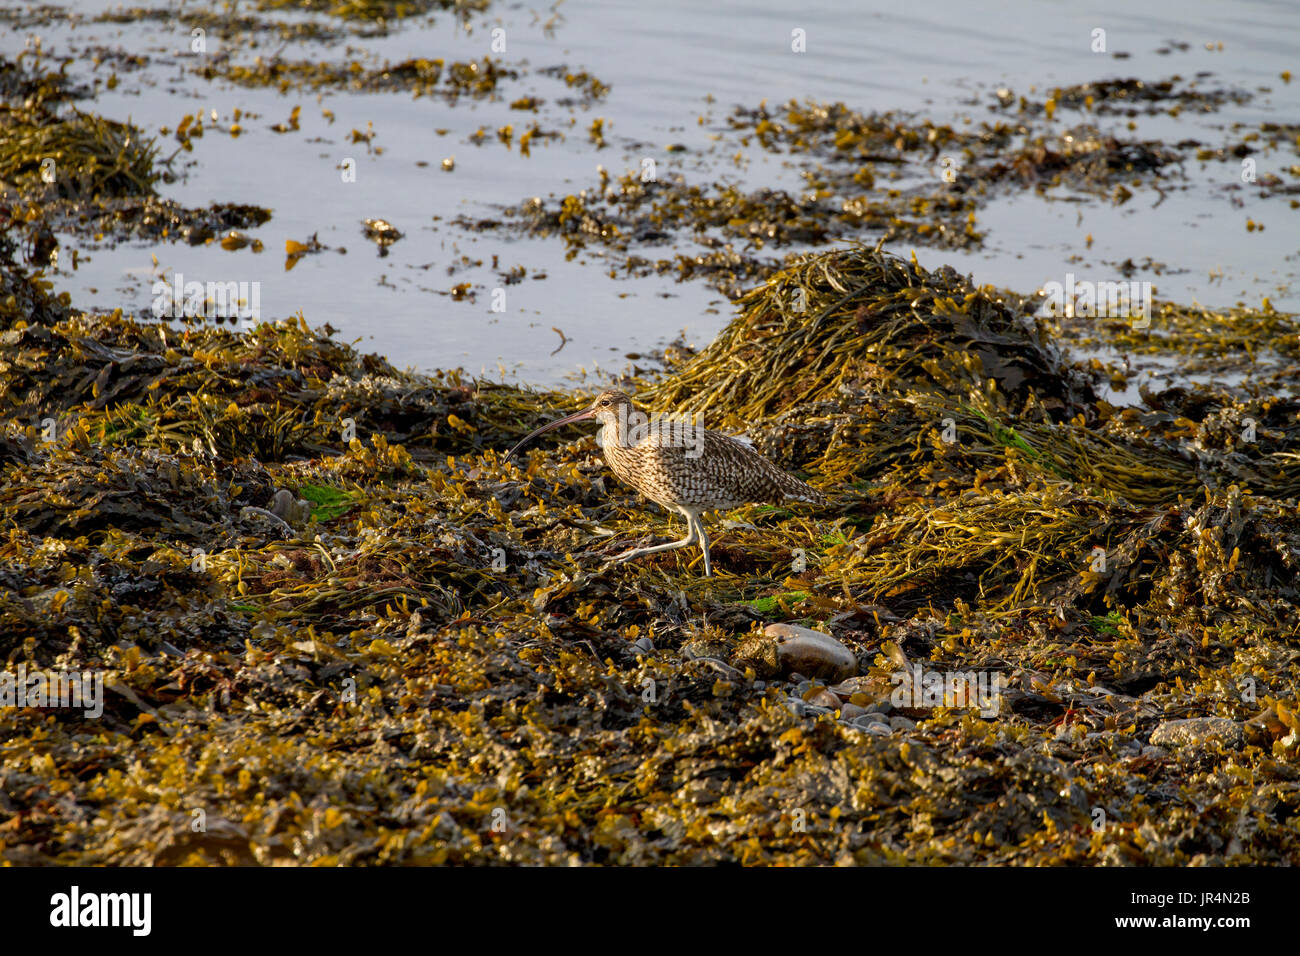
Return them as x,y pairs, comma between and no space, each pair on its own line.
628,556
608,560
630,553
641,543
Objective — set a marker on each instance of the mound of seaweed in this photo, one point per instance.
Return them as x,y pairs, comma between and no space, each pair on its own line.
859,366
427,660
862,318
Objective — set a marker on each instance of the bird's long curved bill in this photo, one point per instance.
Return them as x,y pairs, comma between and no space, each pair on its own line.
576,417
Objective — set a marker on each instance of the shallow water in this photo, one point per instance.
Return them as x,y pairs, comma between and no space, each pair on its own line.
663,62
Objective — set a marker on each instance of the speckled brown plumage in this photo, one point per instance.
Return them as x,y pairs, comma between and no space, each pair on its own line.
683,467
661,464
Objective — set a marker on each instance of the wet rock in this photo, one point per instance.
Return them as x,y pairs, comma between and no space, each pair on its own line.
856,685
292,511
899,722
821,697
850,711
643,645
1200,733
706,647
804,709
811,652
871,724
868,692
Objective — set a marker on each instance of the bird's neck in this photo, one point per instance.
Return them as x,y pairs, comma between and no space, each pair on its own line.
615,435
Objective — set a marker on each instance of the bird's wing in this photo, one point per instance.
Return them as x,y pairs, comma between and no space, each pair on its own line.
692,465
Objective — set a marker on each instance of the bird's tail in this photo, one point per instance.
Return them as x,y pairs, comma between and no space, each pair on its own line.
796,490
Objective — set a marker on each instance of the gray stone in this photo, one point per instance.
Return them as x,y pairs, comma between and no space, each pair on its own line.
824,698
872,724
1200,733
804,709
811,652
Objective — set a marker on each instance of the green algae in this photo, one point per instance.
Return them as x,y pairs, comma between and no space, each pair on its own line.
328,503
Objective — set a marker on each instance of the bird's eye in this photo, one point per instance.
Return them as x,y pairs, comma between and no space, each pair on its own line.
604,401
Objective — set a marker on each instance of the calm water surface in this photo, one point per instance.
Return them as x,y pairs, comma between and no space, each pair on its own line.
668,64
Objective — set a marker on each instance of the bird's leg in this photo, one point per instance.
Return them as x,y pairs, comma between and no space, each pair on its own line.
686,542
704,543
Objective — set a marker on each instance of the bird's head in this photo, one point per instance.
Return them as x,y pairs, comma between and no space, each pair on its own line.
610,407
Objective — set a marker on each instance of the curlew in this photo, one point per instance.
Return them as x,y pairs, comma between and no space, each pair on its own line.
682,467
